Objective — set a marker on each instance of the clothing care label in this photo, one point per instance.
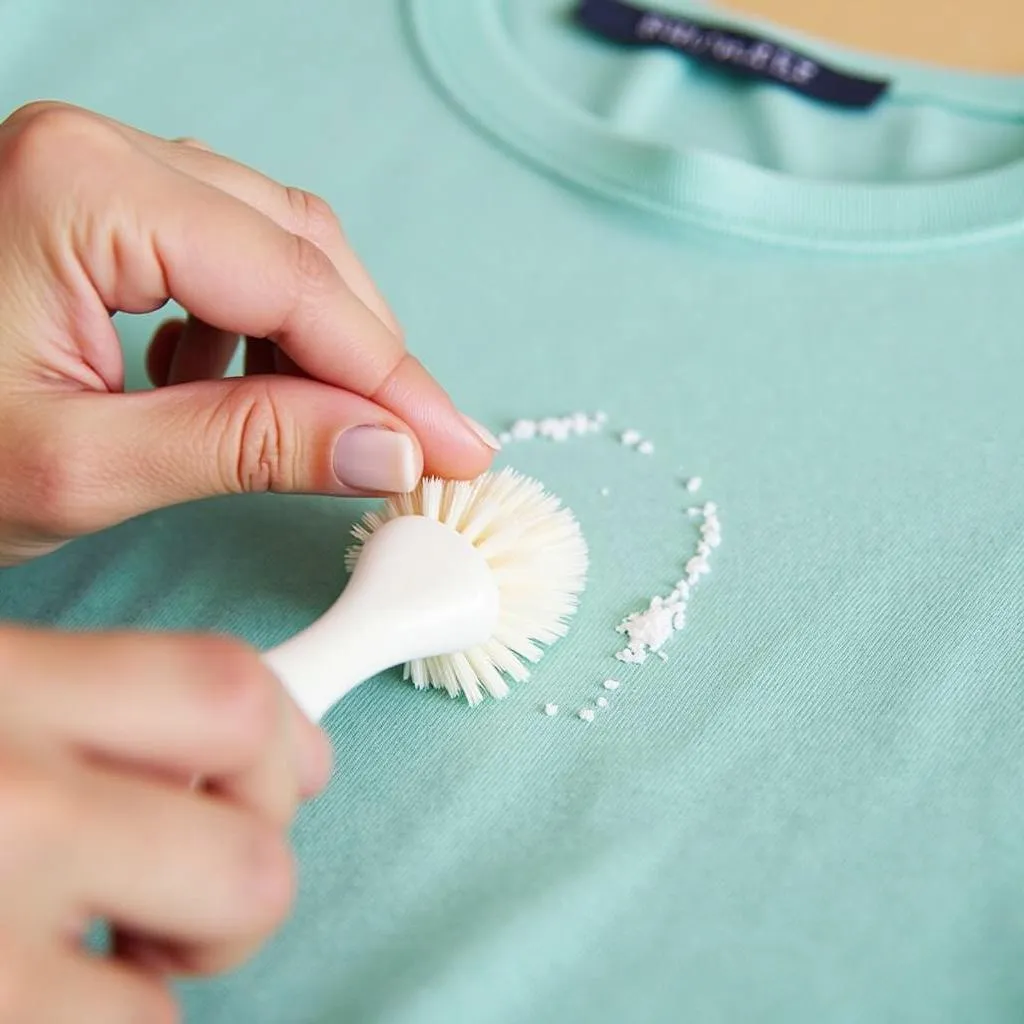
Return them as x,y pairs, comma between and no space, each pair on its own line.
737,52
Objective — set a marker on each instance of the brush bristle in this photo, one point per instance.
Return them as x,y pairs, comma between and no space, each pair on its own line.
536,551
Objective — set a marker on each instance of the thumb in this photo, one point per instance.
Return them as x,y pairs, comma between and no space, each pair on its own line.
118,456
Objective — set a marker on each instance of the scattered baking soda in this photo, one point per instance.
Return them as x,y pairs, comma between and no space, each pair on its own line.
524,430
555,429
580,423
647,631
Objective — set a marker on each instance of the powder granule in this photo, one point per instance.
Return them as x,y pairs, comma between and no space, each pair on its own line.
698,566
648,630
645,448
693,484
555,429
580,423
550,710
632,656
587,714
630,438
524,430
611,684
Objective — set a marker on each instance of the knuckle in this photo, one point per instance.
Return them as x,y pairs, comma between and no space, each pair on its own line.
313,216
258,450
313,269
60,487
242,694
44,132
194,143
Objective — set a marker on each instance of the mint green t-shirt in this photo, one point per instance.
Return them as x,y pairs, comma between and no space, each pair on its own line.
813,810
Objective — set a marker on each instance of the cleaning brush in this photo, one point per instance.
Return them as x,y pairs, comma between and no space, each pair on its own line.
462,582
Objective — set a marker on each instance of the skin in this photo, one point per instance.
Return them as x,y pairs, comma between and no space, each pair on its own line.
150,780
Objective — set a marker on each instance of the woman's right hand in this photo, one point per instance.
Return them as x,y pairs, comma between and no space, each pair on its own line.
100,737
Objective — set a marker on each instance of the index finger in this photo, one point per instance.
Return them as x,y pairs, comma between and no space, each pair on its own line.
238,270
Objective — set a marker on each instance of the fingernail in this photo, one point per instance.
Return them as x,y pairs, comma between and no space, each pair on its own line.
482,432
376,459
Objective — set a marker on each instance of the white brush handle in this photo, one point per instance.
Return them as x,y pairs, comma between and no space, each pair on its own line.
419,589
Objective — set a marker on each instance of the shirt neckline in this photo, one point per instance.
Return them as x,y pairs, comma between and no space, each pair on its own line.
467,48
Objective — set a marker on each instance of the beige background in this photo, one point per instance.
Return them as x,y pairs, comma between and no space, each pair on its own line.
977,35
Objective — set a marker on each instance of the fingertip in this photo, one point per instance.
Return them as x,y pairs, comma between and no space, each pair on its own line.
316,762
454,445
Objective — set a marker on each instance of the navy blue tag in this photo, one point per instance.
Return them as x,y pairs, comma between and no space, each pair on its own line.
736,52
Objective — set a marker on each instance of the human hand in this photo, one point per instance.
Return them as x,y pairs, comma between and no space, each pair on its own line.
97,217
99,737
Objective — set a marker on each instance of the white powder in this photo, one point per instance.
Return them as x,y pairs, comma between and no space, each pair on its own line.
524,430
649,630
554,428
580,423
646,631
631,656
698,565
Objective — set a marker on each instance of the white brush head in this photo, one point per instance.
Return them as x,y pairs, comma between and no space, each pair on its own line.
533,546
